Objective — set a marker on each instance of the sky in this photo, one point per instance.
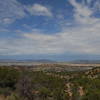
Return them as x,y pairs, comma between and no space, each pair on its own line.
50,29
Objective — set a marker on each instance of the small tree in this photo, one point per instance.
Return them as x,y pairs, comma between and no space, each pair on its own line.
24,86
44,93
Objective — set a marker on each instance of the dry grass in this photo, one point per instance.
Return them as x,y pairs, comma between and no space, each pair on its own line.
2,98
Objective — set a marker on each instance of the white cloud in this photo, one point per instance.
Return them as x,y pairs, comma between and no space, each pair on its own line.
82,11
4,30
10,10
40,10
7,20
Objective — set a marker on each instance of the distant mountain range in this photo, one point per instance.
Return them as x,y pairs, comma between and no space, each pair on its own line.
86,62
51,61
28,60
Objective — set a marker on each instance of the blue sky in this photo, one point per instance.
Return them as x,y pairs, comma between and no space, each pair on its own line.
50,29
